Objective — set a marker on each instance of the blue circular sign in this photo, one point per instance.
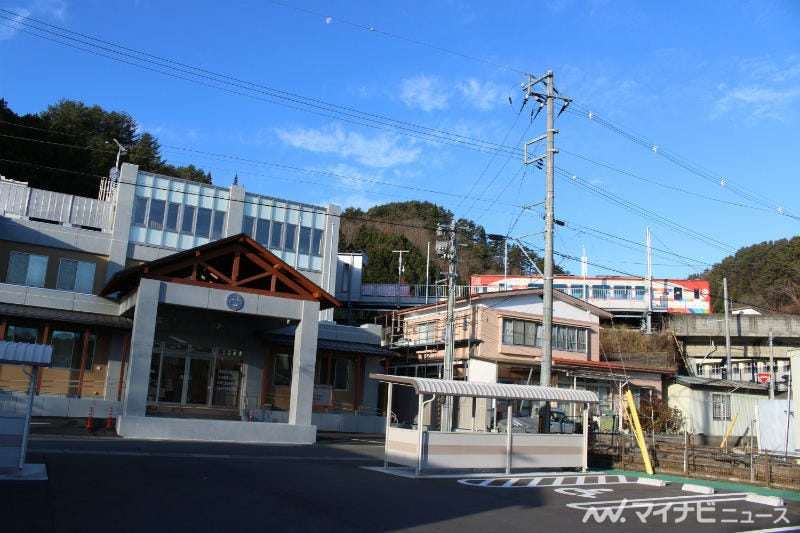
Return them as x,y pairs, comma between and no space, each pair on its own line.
235,302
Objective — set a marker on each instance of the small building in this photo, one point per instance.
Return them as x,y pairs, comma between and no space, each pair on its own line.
188,310
710,405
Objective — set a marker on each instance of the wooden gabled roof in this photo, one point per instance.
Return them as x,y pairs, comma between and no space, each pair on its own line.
235,263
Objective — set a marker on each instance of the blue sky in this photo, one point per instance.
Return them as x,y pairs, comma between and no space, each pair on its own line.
685,114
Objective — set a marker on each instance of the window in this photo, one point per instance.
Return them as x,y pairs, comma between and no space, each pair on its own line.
77,276
187,223
622,292
218,228
577,291
316,242
560,287
156,218
203,226
335,371
68,349
304,244
640,292
139,210
528,333
601,291
262,231
426,332
721,406
277,230
21,334
283,369
290,236
247,226
26,269
171,223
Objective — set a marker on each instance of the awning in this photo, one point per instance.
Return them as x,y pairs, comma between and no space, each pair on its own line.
23,353
63,315
475,389
334,345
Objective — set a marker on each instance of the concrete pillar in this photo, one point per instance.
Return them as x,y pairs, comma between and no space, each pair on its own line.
330,257
137,380
126,192
369,401
303,363
235,210
114,360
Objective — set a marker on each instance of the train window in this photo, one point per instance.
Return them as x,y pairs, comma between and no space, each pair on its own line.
560,287
601,291
640,292
677,294
697,294
577,291
535,285
622,292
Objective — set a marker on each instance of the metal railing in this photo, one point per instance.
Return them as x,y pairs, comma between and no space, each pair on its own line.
18,199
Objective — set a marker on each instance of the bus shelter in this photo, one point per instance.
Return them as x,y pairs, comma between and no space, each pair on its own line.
426,448
14,429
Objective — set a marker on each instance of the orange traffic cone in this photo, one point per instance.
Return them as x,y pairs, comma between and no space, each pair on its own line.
89,420
108,420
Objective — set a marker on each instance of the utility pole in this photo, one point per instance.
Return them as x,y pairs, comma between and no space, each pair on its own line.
447,250
649,285
399,272
729,366
771,369
546,98
427,272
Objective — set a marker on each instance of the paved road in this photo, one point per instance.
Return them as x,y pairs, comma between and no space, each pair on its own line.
103,484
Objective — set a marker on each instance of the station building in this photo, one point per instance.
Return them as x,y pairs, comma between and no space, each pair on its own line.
184,310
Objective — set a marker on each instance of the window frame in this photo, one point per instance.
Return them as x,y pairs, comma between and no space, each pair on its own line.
77,350
28,281
720,406
73,287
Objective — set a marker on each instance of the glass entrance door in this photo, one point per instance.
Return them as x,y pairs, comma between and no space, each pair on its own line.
198,386
195,375
172,372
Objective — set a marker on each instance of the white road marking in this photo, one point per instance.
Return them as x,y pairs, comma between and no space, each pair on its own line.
544,481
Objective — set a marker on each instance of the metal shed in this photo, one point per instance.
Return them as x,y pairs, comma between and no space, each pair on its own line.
426,448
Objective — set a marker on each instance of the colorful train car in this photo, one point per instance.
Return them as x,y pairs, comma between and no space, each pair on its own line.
615,294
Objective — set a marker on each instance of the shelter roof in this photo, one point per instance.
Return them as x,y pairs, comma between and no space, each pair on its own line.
23,353
475,389
235,263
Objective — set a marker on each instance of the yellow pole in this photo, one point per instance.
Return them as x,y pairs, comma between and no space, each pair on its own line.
727,433
637,429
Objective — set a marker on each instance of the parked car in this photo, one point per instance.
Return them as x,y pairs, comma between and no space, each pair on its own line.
559,423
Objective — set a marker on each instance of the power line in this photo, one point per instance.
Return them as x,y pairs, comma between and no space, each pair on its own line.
296,101
265,163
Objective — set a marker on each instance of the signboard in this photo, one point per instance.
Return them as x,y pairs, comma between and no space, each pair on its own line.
323,396
763,377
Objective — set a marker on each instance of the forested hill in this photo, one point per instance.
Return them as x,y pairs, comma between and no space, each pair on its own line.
765,275
411,226
69,147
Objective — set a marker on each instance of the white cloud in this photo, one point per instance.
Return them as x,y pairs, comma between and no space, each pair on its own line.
9,31
381,151
428,93
483,96
40,9
770,90
757,102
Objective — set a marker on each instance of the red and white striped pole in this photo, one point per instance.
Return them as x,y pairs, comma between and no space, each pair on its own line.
89,420
250,418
